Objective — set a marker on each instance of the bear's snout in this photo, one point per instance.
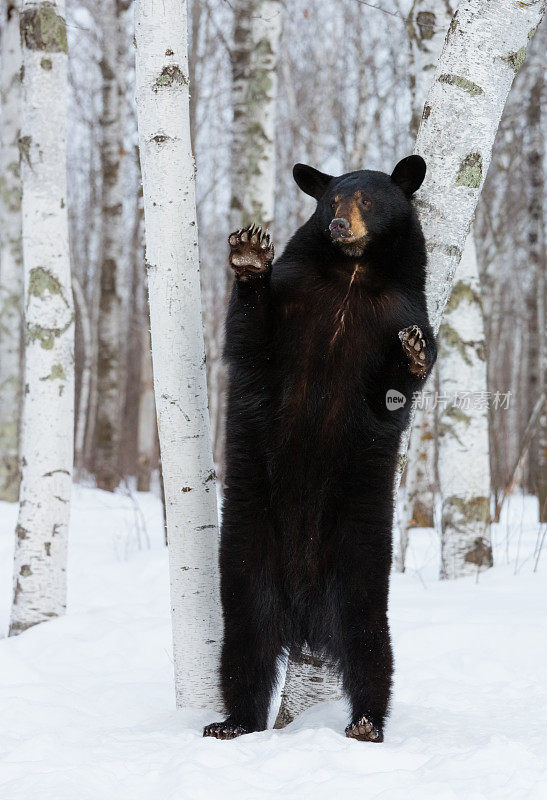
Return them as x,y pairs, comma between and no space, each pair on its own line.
339,228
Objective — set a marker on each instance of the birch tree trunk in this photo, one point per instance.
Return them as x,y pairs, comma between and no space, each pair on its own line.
427,25
48,410
85,380
108,425
11,259
257,28
485,47
257,25
534,143
464,457
168,173
420,484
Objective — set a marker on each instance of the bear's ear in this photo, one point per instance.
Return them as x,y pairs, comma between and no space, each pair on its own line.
310,180
409,174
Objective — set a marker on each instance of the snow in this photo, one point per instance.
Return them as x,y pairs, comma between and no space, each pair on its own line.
87,701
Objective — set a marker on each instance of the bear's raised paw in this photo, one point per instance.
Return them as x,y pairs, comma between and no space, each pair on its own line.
251,252
413,343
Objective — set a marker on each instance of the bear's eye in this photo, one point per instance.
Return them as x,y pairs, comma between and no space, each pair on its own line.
333,203
365,201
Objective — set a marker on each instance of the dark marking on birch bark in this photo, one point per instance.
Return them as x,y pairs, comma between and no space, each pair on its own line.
16,592
480,554
46,336
21,532
42,280
43,29
516,60
160,138
171,75
55,472
426,23
47,548
25,571
23,144
186,489
462,83
462,291
470,171
46,64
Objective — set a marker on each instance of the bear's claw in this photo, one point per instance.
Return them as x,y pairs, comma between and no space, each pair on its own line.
364,731
413,343
251,251
224,730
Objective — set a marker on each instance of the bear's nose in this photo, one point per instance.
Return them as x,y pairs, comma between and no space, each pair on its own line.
339,228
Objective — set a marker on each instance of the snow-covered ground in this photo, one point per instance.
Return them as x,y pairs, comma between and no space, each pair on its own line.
86,702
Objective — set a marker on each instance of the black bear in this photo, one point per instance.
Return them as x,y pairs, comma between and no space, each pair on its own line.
314,345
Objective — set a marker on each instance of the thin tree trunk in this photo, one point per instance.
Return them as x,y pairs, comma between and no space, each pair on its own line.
11,271
108,426
535,160
464,457
147,453
177,346
426,25
85,380
147,426
257,25
48,411
420,485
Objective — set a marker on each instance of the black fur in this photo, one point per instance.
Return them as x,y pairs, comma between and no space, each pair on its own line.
311,447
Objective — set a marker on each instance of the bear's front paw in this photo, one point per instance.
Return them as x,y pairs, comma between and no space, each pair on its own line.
251,252
224,730
364,731
413,343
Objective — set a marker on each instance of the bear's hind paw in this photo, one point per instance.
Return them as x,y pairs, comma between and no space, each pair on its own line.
364,731
224,730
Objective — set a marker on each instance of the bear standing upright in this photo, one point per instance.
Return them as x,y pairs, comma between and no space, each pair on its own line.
314,344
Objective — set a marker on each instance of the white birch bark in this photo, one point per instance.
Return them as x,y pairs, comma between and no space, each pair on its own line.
485,47
419,494
257,26
463,444
108,425
11,259
48,410
427,25
168,173
309,680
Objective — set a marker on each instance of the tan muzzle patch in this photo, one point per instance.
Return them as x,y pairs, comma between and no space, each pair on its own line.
348,208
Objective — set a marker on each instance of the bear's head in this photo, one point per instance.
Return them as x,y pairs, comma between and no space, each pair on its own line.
359,208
